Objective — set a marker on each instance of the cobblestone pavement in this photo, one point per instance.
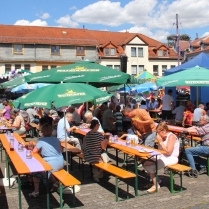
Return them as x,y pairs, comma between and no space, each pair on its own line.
102,195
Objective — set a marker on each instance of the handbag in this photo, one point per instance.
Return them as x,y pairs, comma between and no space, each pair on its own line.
105,157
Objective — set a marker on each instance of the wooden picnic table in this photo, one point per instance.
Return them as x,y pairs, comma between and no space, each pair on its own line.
22,164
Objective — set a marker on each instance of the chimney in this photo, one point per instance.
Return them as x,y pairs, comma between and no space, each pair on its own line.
83,26
196,36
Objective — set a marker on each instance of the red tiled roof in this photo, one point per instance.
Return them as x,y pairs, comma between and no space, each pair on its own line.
184,45
45,35
74,36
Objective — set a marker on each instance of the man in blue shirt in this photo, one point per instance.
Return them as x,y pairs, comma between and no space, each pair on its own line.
64,129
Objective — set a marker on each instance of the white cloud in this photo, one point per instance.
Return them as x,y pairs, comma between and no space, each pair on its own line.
191,14
112,14
205,34
45,16
37,22
66,21
160,35
73,8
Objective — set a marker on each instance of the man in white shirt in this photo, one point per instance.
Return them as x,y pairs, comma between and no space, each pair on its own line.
64,129
179,113
198,113
167,105
89,117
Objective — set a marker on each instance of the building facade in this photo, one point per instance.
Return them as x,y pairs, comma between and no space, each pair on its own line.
36,48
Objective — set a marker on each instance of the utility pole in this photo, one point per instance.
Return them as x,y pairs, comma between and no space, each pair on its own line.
177,37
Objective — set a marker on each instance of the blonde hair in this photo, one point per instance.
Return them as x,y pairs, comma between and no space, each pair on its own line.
162,127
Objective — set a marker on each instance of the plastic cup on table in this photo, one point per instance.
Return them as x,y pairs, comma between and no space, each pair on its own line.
28,154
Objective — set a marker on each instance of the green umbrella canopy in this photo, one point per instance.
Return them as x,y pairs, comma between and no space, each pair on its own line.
62,95
196,76
81,72
13,83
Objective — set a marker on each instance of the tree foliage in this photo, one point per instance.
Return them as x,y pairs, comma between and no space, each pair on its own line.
183,37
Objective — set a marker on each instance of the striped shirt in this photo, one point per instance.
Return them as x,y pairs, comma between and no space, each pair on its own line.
203,131
92,146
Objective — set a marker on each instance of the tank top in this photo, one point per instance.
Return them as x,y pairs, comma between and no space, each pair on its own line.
175,152
22,123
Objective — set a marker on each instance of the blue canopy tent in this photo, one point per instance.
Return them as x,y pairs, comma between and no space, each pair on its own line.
202,60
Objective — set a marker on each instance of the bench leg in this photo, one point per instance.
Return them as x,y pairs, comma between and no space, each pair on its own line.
116,189
61,200
171,182
208,165
116,157
136,178
127,191
73,195
19,192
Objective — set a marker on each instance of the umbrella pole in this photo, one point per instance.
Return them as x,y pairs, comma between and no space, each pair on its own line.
66,152
125,94
197,95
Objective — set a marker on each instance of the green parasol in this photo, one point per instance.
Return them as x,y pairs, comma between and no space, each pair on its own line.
64,94
81,72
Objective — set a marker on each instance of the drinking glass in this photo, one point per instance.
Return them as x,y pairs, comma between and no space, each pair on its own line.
115,138
28,154
20,147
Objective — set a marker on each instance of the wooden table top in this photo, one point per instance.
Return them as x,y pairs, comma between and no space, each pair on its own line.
20,165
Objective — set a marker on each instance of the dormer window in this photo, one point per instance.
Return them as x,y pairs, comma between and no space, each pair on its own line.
162,53
109,52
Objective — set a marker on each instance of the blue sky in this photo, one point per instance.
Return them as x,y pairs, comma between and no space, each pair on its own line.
154,18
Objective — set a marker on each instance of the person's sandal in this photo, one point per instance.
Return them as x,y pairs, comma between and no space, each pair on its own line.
34,194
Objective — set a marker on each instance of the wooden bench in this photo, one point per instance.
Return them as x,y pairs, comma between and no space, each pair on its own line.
118,173
177,168
66,180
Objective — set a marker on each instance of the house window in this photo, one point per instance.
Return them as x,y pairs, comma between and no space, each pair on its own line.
55,50
17,49
159,53
141,68
133,69
44,67
164,67
27,67
80,51
172,66
133,51
109,66
8,68
155,70
109,52
140,52
117,67
53,66
17,66
165,53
